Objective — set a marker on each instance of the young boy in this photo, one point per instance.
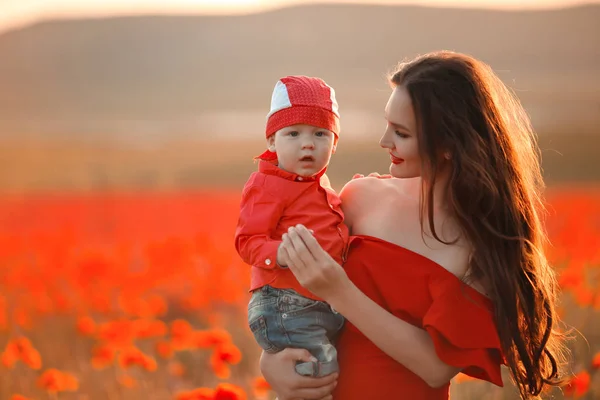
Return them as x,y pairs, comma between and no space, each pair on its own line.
290,188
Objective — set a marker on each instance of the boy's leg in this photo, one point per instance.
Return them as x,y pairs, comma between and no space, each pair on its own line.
311,325
326,355
263,319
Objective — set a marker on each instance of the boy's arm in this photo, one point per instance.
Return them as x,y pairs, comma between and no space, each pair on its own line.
260,212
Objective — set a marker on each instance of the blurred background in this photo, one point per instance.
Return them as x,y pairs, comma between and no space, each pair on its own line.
128,127
143,95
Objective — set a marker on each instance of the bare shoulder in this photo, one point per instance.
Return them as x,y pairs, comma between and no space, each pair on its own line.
368,189
359,196
363,190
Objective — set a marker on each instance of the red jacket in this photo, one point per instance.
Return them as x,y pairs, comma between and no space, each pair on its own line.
272,201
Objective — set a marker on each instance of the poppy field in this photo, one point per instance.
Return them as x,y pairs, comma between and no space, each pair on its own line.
142,296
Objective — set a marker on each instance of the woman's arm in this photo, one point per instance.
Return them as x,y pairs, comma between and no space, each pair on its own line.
278,370
405,343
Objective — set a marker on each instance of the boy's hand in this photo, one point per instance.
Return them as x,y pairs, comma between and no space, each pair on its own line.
282,255
282,259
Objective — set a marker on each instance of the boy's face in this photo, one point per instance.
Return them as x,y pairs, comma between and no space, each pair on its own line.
303,149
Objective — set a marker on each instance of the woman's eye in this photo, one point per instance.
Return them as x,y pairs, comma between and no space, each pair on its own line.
401,135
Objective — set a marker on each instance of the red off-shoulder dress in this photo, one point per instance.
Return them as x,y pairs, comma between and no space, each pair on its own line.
421,292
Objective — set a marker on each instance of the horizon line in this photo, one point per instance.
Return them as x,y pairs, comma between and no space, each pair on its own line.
33,19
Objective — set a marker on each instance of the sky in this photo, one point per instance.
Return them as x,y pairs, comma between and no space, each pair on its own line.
17,13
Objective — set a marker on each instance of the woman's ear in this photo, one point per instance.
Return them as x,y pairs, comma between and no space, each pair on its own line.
447,155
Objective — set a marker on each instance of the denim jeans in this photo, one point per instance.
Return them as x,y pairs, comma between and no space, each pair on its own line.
281,318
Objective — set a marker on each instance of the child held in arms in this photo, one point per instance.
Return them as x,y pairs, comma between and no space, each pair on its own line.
290,188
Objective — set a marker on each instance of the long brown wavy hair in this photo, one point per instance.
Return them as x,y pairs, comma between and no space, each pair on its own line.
495,191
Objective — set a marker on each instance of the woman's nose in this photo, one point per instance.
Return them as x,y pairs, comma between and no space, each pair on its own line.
383,142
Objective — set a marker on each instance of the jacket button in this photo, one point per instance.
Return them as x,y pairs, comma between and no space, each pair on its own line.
268,261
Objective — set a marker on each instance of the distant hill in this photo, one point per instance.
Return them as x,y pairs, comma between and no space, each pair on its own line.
201,75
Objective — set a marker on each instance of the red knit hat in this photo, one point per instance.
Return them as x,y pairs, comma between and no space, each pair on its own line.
301,100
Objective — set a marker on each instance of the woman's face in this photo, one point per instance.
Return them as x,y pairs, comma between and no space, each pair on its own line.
400,136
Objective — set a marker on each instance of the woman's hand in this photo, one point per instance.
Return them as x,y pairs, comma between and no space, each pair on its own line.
312,266
372,175
279,370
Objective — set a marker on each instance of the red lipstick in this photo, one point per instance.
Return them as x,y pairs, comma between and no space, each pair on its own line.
396,160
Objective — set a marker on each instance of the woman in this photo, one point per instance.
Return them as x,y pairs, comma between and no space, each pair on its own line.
446,270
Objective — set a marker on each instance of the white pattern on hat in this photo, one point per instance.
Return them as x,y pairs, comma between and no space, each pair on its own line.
280,99
334,104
